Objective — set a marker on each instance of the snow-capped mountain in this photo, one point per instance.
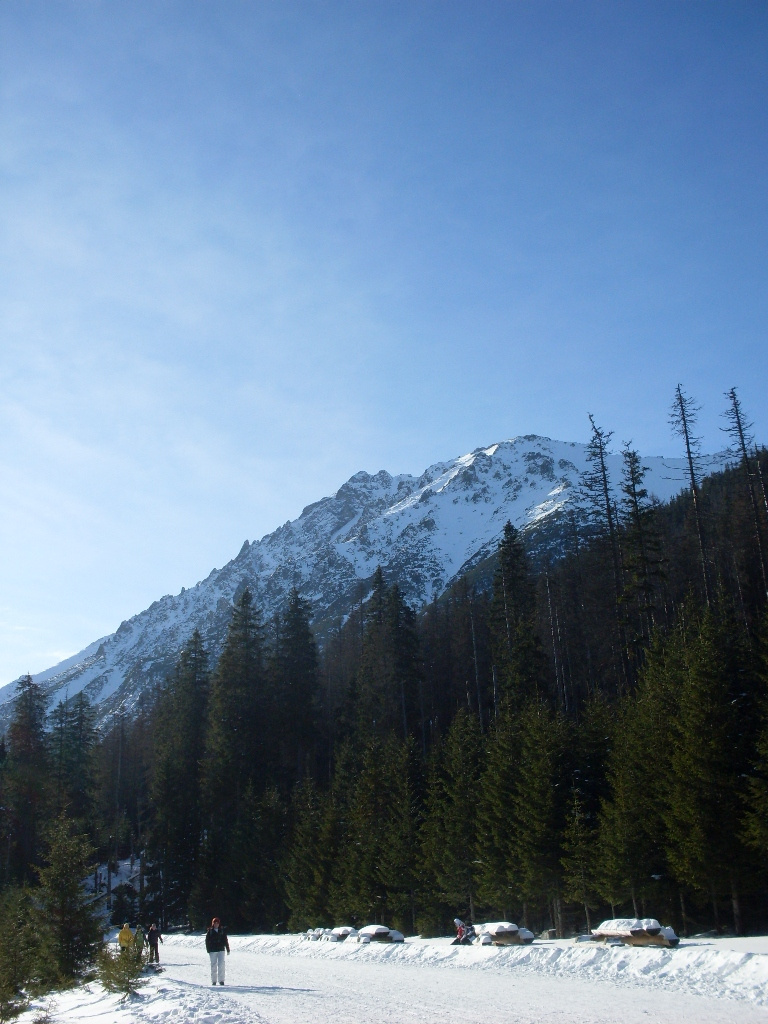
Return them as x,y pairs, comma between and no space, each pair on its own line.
424,531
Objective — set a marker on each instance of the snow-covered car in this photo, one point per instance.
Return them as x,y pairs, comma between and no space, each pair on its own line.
503,933
379,933
635,931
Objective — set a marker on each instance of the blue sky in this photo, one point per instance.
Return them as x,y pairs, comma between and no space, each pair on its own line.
251,248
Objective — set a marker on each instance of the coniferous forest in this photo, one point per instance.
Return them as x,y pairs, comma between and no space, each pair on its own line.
554,741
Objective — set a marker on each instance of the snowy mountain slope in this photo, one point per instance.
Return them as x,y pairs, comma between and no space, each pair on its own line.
423,531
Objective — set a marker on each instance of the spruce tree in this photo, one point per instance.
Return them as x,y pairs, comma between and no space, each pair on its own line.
27,779
755,828
24,969
499,870
632,834
306,860
359,891
578,857
389,676
175,785
72,746
234,763
257,847
398,864
592,736
295,683
449,843
66,918
235,745
641,548
515,647
712,743
539,807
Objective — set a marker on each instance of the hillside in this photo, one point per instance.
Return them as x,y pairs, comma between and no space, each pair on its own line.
424,531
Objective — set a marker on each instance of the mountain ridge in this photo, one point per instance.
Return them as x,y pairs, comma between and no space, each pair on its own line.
424,531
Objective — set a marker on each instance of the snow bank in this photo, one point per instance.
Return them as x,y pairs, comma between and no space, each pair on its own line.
285,979
695,968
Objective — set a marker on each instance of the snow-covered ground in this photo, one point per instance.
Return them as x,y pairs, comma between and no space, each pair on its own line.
286,980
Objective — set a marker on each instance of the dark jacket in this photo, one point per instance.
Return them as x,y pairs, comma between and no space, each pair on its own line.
216,941
154,936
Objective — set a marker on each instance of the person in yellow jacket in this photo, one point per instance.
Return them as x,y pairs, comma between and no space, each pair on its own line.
125,938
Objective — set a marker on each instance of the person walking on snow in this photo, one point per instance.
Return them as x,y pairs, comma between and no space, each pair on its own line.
216,942
153,937
125,938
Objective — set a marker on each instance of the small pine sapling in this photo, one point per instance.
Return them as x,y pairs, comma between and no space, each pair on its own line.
121,970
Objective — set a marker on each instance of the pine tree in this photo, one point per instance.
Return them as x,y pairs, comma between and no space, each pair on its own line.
641,546
712,743
632,834
578,857
22,958
175,785
125,905
756,815
294,668
120,971
27,779
738,429
359,892
682,420
450,828
603,518
539,807
307,863
235,762
257,846
389,676
499,869
755,828
515,647
72,746
398,864
234,742
66,919
580,861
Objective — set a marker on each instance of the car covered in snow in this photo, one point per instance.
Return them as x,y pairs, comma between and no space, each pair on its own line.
379,933
635,931
503,933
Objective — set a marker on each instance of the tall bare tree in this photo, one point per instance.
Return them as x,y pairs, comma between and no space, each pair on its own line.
738,430
599,492
682,419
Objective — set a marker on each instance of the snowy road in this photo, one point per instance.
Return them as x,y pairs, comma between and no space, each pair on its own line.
284,981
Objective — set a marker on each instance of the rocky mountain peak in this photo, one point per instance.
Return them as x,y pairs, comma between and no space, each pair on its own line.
424,531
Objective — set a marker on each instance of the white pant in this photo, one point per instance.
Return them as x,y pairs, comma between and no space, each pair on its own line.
217,966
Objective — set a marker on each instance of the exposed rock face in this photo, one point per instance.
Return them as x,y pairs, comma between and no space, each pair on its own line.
424,532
